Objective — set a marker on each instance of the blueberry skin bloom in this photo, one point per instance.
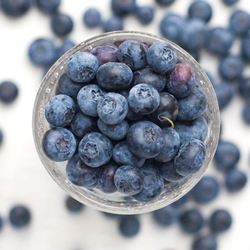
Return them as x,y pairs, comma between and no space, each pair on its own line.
92,18
128,180
129,226
114,132
123,7
153,183
231,67
145,139
246,113
196,129
106,179
200,9
73,205
112,24
113,108
171,146
181,80
143,99
8,92
226,156
105,53
133,54
220,221
82,67
206,190
88,98
145,14
123,156
191,221
61,24
224,93
192,106
166,216
59,144
161,57
42,52
172,27
80,174
16,8
239,22
168,172
114,76
235,180
205,242
19,216
48,6
190,157
60,110
95,149
219,41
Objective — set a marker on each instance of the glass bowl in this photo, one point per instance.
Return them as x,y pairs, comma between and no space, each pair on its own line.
116,202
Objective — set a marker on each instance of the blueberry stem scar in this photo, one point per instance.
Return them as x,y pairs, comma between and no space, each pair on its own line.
164,117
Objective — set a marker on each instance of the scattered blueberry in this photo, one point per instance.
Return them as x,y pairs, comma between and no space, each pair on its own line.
235,180
200,9
8,91
205,242
92,18
1,137
145,14
230,2
245,48
112,24
225,93
19,216
165,2
244,88
123,7
220,221
129,226
168,172
195,54
61,24
166,216
73,205
15,8
65,46
246,113
48,6
182,201
239,22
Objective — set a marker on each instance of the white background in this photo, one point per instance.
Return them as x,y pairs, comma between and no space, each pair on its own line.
23,179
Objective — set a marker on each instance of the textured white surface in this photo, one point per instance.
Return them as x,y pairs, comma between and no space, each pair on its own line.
24,180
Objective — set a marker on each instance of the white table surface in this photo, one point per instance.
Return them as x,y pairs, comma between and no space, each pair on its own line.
24,180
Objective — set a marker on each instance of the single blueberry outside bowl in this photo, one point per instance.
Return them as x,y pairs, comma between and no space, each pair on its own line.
117,203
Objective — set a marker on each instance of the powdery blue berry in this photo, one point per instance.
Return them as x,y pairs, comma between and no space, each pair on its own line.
8,92
235,180
239,22
61,24
19,216
200,9
92,18
245,48
48,6
220,221
114,23
129,226
166,216
205,242
73,205
16,8
145,14
224,93
123,7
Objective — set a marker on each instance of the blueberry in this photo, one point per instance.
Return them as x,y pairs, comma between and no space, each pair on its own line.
231,67
82,124
60,110
8,92
123,156
190,157
220,221
95,149
133,54
19,216
168,172
161,57
128,180
42,52
105,53
171,146
230,2
153,183
82,67
194,35
206,190
200,9
211,78
113,108
245,48
239,22
225,93
166,216
165,2
106,180
143,99
88,98
145,14
235,180
59,144
92,18
65,46
1,137
80,174
123,7
172,27
148,76
68,87
145,139
16,8
48,6
61,24
114,76
244,88
168,108
205,242
182,201
196,129
114,132
192,106
191,221
246,113
73,205
226,156
112,24
129,226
